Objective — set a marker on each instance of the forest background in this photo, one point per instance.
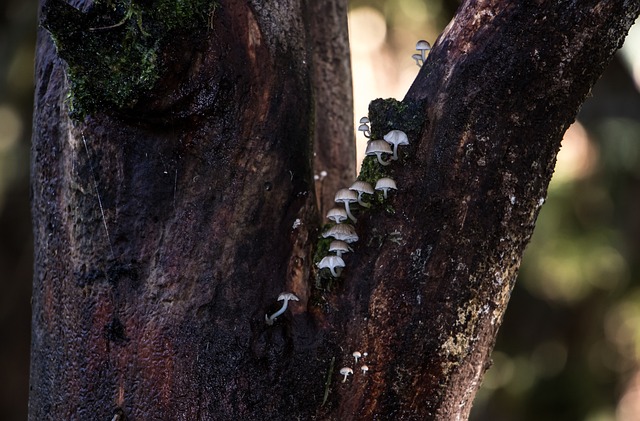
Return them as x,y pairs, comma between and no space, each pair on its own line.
569,348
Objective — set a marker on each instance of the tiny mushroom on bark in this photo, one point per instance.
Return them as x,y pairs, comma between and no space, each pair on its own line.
377,148
364,369
337,215
384,184
396,138
418,59
357,356
342,232
339,247
345,371
285,296
331,262
364,120
362,187
347,196
423,46
364,128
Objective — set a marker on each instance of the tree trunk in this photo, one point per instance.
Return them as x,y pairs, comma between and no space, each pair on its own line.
177,206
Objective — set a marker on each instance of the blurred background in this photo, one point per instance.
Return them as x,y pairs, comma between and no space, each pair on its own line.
569,348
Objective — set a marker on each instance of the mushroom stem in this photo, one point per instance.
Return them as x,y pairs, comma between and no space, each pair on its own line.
333,271
349,214
385,192
285,303
385,163
361,203
395,153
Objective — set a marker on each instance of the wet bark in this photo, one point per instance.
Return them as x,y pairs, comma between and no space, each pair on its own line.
164,232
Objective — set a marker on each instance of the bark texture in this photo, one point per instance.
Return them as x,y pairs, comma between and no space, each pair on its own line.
165,231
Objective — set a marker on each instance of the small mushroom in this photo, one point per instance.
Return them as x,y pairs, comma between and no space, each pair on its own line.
345,371
364,369
337,215
357,356
396,138
423,47
362,187
347,196
364,120
364,128
285,296
331,262
418,59
342,232
384,184
377,148
339,247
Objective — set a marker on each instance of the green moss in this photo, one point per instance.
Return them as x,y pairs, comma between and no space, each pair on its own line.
391,114
112,50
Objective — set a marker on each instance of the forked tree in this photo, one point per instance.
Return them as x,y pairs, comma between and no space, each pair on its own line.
173,201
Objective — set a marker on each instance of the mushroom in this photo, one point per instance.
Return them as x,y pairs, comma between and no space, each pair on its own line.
423,46
337,215
418,59
362,187
342,232
396,138
332,262
377,148
364,369
339,247
285,296
364,128
364,120
345,371
384,184
347,196
356,355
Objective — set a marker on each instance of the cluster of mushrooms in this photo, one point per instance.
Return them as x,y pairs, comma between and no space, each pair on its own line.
347,371
423,48
342,232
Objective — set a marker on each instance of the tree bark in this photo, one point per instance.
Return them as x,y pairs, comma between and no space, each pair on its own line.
166,227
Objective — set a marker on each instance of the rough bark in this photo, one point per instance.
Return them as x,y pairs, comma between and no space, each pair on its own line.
164,232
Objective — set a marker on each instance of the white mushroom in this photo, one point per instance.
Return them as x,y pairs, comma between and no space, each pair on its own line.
364,128
337,215
423,47
331,262
362,187
364,369
384,184
377,148
342,232
396,138
357,356
345,371
364,120
285,296
418,59
339,247
347,196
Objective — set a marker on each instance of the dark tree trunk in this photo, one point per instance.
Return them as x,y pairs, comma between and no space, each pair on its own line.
167,222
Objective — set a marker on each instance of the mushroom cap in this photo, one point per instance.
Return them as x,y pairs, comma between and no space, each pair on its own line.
331,261
423,45
288,296
346,371
337,215
342,232
363,128
339,245
396,137
346,195
357,354
364,120
386,183
375,147
416,56
364,368
362,187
